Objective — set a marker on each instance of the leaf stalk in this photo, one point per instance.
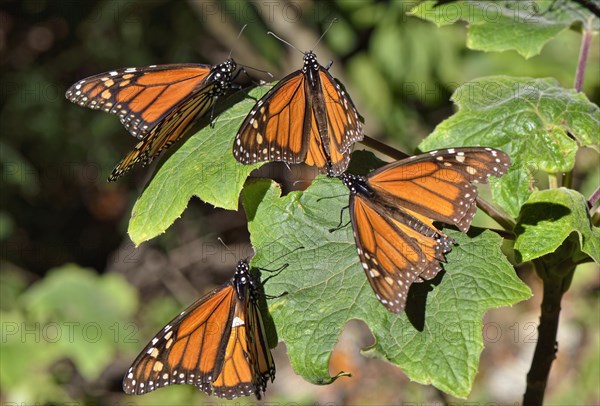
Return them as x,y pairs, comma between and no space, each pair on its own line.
383,148
584,52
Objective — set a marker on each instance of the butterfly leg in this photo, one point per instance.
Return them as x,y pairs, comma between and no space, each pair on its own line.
332,197
212,116
254,82
251,97
212,109
261,82
238,86
270,297
275,271
339,226
235,76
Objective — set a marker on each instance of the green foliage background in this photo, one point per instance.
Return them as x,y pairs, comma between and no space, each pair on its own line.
66,260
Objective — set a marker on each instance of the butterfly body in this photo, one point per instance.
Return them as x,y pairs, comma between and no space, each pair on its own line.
157,104
393,211
307,117
357,184
316,104
222,75
217,344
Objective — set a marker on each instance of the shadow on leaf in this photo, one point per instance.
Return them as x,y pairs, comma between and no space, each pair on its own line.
417,300
534,213
254,195
268,322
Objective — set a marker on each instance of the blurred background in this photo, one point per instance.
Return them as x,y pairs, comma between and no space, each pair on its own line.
79,301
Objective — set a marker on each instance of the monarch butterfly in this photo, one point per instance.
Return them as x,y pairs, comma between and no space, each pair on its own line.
307,117
392,211
217,344
157,104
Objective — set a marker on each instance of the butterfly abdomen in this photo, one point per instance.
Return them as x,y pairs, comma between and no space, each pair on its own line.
222,75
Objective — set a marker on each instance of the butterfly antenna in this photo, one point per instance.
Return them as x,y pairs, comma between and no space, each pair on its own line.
298,181
256,69
238,37
334,20
222,242
284,41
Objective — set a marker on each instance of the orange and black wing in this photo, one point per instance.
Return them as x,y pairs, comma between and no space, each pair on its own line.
140,97
438,185
218,344
344,125
395,249
278,126
307,117
248,363
157,104
260,354
394,209
169,130
190,349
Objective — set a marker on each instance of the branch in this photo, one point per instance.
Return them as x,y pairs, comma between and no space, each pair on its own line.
494,213
556,278
546,348
586,42
594,197
507,235
383,148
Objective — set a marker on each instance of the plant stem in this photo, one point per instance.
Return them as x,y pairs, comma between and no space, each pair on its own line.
584,52
567,179
546,348
507,235
383,148
556,276
594,197
555,285
494,213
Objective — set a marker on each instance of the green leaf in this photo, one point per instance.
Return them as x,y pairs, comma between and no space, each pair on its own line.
204,166
437,343
83,315
24,362
498,26
12,283
537,122
547,220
